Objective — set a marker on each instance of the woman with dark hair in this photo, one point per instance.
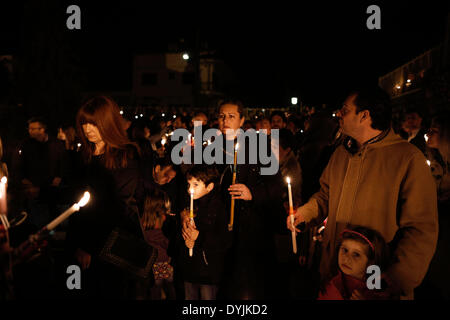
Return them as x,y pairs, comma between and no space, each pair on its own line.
437,281
111,173
439,154
69,136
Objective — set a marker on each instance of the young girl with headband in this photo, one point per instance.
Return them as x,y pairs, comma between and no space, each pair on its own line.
358,249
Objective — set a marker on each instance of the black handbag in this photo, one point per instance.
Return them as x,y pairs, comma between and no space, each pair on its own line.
130,254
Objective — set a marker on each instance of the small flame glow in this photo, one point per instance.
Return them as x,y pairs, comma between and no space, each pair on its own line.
163,141
426,137
85,199
288,180
191,191
237,146
429,163
4,180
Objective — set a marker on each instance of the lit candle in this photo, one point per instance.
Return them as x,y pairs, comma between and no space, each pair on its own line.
426,137
291,214
191,217
3,206
163,141
230,225
76,207
429,163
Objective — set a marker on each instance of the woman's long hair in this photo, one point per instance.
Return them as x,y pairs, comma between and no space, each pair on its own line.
443,123
104,113
71,137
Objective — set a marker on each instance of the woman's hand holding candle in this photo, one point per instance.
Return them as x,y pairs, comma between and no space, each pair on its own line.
240,191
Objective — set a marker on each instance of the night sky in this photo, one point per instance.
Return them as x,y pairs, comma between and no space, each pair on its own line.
312,49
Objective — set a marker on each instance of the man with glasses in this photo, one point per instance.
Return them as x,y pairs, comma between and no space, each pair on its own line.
377,180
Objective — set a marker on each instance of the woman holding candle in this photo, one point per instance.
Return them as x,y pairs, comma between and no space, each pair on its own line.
111,173
251,261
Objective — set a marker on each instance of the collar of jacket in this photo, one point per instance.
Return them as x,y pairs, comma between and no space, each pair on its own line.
203,201
385,138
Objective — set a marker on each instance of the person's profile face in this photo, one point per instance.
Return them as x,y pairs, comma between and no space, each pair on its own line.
229,118
198,187
164,175
349,120
61,135
433,138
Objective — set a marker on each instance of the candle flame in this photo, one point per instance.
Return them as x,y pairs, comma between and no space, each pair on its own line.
191,191
84,200
237,146
163,141
429,163
426,137
288,180
4,180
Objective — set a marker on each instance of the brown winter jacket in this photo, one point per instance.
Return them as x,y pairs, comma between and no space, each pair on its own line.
386,186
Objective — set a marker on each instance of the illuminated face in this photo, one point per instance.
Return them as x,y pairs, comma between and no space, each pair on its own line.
229,118
433,138
349,120
92,133
199,187
353,258
61,135
277,122
36,131
164,175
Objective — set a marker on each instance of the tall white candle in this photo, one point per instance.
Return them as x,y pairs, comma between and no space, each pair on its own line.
191,217
63,216
291,214
3,202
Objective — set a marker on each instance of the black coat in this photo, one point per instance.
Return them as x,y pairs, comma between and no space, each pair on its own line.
251,260
112,204
206,265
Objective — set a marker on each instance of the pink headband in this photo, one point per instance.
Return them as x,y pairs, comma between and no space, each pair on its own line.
361,235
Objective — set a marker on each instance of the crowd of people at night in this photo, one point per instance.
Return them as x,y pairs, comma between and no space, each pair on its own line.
367,194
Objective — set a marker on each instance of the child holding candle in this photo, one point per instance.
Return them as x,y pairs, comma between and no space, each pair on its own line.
208,236
359,248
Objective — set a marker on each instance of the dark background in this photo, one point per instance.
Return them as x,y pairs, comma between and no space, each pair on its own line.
315,50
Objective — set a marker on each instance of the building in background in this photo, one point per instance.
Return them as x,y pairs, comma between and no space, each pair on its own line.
169,80
423,82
